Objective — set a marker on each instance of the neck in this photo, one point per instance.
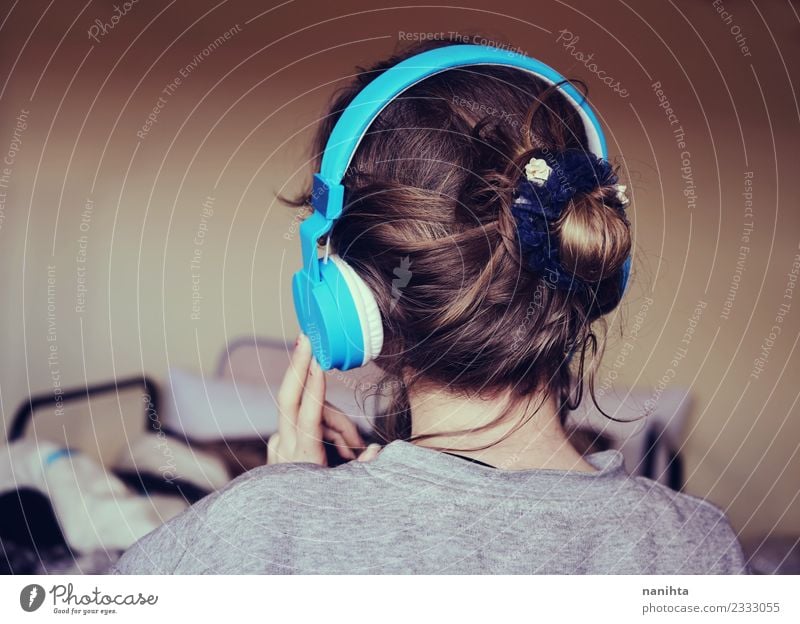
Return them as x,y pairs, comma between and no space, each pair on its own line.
513,439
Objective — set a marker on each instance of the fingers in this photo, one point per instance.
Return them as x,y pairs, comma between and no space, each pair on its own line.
370,453
309,419
305,419
291,390
273,444
300,400
340,422
345,452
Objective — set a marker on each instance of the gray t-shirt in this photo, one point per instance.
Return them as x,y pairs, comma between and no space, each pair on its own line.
415,510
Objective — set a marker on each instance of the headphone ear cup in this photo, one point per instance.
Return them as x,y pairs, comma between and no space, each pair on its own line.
369,315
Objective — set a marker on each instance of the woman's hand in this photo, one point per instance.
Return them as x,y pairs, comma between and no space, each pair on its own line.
306,420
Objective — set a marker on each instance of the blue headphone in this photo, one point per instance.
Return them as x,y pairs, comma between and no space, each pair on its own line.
334,306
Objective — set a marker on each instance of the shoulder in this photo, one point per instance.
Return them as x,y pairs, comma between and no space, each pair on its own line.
686,508
693,533
261,504
286,484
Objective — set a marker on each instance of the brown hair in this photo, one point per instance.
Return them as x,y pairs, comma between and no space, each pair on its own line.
429,194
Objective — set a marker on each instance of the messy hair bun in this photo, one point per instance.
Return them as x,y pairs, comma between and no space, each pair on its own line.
428,224
570,216
594,237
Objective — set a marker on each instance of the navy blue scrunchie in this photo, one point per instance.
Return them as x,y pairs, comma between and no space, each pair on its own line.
536,209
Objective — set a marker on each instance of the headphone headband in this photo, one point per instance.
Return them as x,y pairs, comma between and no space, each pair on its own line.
328,192
373,98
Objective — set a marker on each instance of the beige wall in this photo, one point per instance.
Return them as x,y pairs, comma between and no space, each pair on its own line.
239,117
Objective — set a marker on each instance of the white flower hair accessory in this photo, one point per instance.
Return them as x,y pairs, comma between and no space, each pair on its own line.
537,171
622,197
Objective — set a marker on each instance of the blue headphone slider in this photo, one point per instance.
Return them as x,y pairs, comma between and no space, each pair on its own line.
327,198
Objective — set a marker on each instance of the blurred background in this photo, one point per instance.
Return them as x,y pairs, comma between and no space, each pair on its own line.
145,143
